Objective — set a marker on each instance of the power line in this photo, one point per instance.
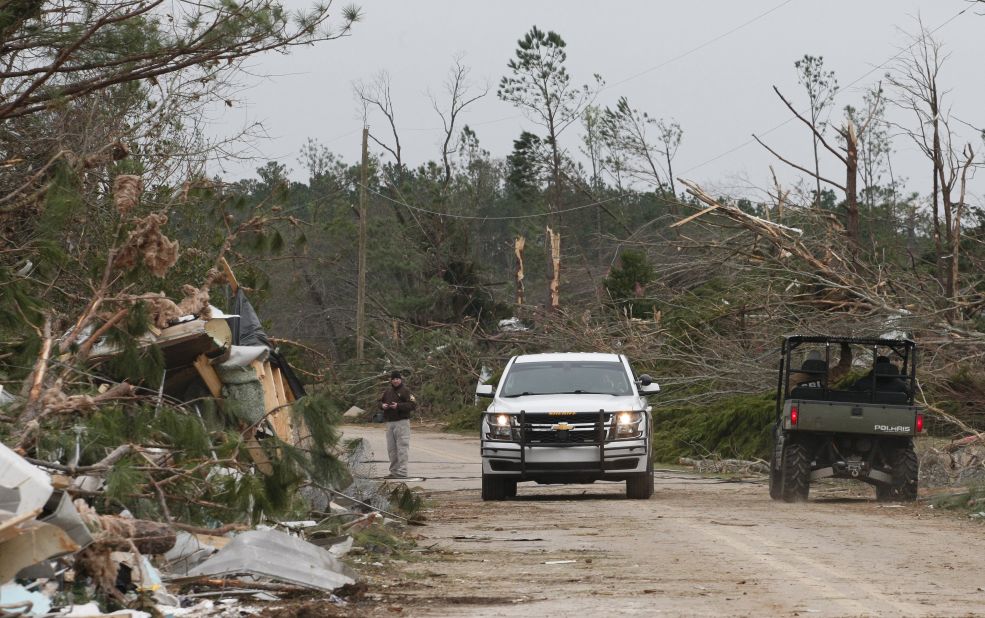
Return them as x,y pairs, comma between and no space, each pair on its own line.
699,47
504,218
656,67
850,84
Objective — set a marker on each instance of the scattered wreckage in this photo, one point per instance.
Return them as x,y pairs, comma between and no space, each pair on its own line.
53,539
48,542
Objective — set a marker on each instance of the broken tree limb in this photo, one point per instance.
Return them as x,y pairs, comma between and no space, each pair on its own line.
691,218
114,533
415,522
818,134
230,275
54,402
963,442
40,368
795,166
828,271
103,464
102,330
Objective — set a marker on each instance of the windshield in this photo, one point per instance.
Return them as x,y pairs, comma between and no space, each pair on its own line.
566,377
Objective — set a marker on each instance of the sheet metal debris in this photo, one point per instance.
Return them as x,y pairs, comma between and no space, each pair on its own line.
271,554
33,542
16,600
31,486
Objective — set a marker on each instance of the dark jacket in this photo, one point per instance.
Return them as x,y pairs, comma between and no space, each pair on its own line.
406,403
887,379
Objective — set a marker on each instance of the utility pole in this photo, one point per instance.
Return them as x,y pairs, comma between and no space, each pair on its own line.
361,277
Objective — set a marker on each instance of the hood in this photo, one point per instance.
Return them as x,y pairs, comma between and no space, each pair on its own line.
565,403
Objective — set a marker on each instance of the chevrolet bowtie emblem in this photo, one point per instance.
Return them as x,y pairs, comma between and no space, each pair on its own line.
562,427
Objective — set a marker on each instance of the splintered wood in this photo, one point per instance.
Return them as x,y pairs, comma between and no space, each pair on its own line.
275,400
840,286
518,246
555,242
208,374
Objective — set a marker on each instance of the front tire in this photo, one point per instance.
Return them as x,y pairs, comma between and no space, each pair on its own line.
511,488
795,474
640,486
495,487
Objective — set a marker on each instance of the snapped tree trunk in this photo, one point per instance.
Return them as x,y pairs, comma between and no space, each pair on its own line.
851,184
955,241
518,246
554,240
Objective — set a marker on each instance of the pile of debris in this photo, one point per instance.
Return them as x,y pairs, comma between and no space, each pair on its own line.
961,462
54,550
233,431
739,467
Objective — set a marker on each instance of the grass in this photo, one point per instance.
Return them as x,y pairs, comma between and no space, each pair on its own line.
971,502
464,420
377,539
736,427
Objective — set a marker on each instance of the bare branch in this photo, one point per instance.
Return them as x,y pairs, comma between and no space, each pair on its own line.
810,125
794,165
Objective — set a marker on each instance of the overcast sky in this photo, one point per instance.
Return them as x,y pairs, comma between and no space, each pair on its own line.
710,65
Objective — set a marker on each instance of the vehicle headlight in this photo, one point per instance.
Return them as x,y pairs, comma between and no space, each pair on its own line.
628,424
501,426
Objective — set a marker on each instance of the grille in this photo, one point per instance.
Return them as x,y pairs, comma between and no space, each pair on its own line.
585,428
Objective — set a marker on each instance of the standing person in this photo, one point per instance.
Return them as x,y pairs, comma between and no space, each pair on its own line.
397,402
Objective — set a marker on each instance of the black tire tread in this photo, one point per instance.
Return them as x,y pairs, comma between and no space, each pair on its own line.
511,488
775,480
640,487
906,470
796,473
493,488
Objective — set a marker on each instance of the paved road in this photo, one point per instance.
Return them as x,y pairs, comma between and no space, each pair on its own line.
699,547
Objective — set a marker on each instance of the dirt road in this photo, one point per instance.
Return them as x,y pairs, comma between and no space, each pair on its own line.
699,547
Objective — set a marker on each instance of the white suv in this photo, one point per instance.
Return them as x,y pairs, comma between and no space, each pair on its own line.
567,418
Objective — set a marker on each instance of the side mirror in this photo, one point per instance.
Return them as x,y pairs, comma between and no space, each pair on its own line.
485,390
647,385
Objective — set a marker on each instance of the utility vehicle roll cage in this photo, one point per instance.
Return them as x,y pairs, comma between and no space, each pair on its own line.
905,349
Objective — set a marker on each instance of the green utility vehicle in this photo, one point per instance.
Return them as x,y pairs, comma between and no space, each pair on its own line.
832,422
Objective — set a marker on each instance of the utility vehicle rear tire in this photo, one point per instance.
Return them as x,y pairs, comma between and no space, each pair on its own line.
495,487
906,468
796,473
775,479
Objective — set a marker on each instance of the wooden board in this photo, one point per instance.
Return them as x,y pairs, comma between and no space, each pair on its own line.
278,385
259,457
281,419
209,375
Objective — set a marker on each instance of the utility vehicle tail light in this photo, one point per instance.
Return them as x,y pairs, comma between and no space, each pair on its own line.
794,415
919,423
